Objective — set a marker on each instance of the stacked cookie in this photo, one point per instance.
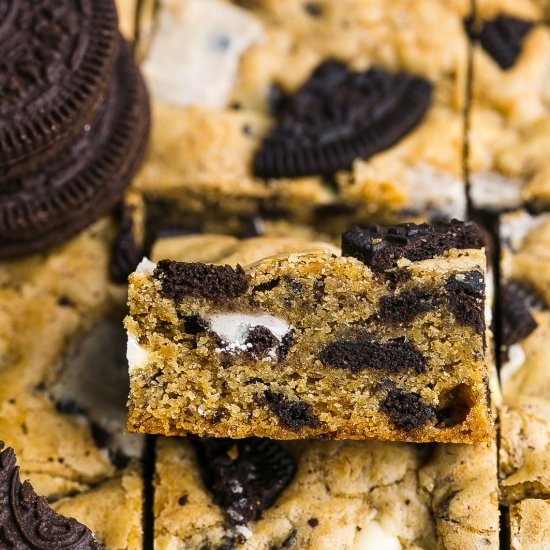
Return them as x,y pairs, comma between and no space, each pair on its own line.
74,120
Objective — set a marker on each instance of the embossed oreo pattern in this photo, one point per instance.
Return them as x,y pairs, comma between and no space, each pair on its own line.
83,183
55,61
338,116
28,522
245,476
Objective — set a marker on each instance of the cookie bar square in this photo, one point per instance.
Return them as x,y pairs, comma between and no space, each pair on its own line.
123,493
509,114
321,495
63,388
529,524
384,83
525,374
386,341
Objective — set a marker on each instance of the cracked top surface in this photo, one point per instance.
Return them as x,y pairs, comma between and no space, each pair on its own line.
343,494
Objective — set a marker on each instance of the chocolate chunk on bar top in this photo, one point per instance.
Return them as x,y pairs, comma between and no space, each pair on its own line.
338,116
28,522
381,247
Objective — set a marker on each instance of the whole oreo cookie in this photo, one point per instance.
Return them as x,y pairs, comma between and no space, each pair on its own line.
56,59
85,181
338,116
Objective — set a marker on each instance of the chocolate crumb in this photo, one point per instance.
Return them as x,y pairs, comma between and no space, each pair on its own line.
404,307
290,540
406,409
293,415
261,341
381,247
466,292
396,355
181,279
517,321
313,9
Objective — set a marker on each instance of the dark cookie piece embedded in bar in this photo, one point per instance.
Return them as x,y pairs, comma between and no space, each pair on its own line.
85,181
261,341
466,292
406,409
502,38
181,279
405,306
381,247
517,322
338,116
397,355
126,252
293,415
57,58
245,476
28,522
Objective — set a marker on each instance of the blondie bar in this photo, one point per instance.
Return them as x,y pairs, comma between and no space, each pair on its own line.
387,341
509,114
264,494
529,524
384,86
64,383
525,374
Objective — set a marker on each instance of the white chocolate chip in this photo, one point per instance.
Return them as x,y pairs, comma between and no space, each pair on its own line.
146,266
195,54
373,536
233,329
516,358
136,355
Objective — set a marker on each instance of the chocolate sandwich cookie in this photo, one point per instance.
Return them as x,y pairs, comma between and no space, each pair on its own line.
27,521
56,60
84,182
338,116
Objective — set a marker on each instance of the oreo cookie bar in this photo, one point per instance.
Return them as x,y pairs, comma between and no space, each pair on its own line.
314,112
387,341
529,524
525,374
63,386
509,115
260,493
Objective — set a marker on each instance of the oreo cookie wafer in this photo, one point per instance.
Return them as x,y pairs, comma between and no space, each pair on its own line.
85,181
338,116
56,60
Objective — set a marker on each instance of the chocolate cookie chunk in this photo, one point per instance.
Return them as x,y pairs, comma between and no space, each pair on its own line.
246,476
56,60
293,415
338,116
517,321
397,355
180,279
380,247
28,522
406,409
85,181
502,38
